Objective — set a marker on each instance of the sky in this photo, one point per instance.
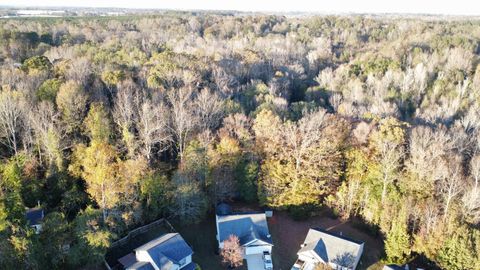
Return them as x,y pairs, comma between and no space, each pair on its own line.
447,7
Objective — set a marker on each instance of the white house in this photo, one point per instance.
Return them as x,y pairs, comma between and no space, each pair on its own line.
167,252
322,247
250,228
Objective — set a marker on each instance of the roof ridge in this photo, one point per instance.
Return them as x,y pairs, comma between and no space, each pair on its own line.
338,236
153,243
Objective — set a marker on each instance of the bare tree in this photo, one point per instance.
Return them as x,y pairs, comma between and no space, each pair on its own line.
209,108
232,252
125,113
183,120
471,197
153,127
390,155
12,118
451,184
44,120
303,135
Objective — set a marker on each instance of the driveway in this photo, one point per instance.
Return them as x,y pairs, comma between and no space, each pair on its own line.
254,262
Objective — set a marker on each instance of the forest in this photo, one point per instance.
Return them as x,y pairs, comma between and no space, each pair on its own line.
110,123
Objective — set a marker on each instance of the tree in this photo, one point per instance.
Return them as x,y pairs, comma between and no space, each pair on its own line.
48,90
183,119
97,164
125,113
92,240
471,197
51,250
97,123
156,194
12,119
190,203
450,184
153,128
397,243
458,251
232,252
303,159
222,162
72,103
37,64
209,107
48,134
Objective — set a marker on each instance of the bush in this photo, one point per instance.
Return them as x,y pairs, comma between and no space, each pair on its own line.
300,212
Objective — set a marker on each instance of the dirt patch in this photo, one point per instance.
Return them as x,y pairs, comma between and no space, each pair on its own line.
288,235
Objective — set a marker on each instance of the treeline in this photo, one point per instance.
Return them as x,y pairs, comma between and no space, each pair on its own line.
110,124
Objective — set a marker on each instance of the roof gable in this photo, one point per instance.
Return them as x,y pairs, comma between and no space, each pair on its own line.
248,227
332,248
166,250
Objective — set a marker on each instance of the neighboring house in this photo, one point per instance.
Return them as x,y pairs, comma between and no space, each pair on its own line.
167,252
324,247
250,228
34,218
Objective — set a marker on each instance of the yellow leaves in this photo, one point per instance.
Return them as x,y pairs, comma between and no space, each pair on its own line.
266,125
391,129
97,123
113,77
228,146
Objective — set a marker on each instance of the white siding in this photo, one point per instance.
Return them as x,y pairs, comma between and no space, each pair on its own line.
143,256
187,261
257,249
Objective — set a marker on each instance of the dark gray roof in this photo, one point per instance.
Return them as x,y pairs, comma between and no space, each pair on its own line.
141,266
332,248
34,216
247,227
167,249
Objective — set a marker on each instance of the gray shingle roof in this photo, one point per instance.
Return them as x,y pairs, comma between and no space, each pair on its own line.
332,248
246,226
167,249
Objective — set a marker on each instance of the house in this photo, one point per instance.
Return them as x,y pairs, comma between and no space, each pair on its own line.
167,252
322,247
34,218
250,228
